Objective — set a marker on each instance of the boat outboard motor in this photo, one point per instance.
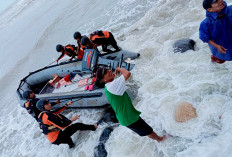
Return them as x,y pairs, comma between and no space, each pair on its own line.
89,60
184,45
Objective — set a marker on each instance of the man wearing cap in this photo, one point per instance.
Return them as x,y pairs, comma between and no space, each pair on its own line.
215,30
57,128
30,105
120,101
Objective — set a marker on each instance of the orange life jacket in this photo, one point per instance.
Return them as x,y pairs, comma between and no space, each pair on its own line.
80,54
55,124
99,34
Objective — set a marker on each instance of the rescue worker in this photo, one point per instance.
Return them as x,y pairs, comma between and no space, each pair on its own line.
104,39
77,36
87,44
69,50
30,105
57,127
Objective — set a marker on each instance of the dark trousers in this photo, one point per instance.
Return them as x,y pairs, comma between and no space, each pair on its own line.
65,136
110,41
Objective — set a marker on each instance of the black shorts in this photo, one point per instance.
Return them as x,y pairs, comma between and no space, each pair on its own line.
141,127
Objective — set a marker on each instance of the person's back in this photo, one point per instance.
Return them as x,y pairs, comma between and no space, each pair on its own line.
215,30
104,39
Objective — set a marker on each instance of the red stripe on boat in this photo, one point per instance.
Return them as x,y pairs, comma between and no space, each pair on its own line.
90,52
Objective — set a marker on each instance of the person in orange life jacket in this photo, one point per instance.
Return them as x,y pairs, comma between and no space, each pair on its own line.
104,38
77,36
87,44
127,115
69,50
30,105
98,38
57,128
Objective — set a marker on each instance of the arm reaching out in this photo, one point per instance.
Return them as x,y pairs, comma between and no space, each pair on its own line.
75,118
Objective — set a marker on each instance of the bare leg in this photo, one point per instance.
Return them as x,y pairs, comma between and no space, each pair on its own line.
154,136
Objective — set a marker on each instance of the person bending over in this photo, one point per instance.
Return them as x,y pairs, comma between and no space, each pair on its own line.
127,115
69,50
102,38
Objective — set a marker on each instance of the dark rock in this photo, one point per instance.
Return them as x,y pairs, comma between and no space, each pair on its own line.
184,45
100,150
109,117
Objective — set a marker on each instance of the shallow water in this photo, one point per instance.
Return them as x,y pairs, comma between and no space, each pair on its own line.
30,31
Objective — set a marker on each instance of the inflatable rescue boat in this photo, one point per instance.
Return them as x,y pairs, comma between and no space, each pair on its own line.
74,80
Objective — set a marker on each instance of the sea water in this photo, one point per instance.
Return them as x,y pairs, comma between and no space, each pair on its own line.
29,32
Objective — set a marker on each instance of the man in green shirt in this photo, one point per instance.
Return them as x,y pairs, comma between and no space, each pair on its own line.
120,101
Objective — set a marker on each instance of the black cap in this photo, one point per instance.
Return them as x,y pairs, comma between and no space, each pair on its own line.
85,40
100,73
77,35
40,104
59,48
207,3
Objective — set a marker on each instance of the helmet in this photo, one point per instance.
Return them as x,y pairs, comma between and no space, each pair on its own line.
26,94
77,35
59,48
85,40
40,104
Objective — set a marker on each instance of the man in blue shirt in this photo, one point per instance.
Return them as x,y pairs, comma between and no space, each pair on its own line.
216,30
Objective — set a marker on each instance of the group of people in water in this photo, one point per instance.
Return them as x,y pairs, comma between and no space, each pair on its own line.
95,39
215,30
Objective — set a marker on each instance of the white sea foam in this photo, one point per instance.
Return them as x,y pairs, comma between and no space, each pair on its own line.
30,31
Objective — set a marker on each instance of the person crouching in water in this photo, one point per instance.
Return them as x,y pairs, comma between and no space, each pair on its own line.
127,115
57,127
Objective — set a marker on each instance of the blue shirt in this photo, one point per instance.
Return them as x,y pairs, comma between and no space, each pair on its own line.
219,30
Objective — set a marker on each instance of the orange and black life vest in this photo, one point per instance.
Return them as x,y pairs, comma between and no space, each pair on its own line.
31,108
99,34
69,50
51,122
45,129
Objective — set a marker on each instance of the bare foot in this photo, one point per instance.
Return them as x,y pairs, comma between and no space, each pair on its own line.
162,138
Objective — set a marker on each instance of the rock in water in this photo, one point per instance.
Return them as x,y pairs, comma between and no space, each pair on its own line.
184,112
184,45
100,150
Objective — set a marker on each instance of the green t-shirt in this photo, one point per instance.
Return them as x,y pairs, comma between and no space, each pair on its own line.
121,102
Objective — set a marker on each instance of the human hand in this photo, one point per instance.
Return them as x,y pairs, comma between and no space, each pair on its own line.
70,103
221,49
75,118
117,71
